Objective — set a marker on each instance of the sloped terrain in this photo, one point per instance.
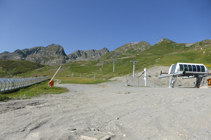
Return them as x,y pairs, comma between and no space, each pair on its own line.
127,50
10,68
135,47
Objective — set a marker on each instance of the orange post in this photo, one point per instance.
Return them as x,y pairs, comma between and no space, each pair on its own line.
51,83
209,81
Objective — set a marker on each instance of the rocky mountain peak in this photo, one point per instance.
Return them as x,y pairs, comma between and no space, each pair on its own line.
88,55
52,55
20,53
5,52
56,49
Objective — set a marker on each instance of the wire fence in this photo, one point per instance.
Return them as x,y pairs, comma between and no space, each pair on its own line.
154,81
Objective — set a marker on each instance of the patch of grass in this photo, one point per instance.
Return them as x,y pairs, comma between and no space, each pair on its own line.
32,91
14,67
3,98
192,56
79,80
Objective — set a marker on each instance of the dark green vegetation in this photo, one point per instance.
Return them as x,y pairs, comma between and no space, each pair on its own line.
9,68
32,91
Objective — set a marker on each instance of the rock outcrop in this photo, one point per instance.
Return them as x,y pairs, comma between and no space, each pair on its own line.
50,55
87,55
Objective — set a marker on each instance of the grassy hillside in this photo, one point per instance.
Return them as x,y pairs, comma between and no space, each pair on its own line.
193,56
127,50
14,67
133,48
165,52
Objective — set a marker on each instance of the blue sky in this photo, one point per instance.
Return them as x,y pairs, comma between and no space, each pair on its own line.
94,24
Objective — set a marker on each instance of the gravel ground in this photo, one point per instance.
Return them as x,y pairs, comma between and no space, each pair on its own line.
125,112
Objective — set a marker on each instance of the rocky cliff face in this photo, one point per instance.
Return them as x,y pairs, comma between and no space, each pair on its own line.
50,55
55,55
87,55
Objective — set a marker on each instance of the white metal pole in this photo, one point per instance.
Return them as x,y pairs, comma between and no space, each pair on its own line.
113,65
145,77
134,69
55,73
134,63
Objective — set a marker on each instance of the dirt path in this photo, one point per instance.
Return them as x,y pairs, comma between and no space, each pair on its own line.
130,113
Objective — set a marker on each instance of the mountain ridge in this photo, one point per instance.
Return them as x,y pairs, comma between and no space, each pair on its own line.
88,54
54,54
164,53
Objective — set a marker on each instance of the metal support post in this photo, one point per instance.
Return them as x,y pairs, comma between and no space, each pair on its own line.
134,65
145,76
114,65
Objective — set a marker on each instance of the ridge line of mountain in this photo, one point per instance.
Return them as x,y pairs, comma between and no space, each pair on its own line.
54,54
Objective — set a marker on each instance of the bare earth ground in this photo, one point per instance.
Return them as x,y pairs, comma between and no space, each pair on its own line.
125,112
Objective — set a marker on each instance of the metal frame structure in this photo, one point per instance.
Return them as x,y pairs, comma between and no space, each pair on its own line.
134,65
187,71
9,84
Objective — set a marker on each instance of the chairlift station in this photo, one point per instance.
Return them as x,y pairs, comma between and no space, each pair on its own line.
186,70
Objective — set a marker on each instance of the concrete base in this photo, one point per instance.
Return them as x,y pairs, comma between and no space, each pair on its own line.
95,135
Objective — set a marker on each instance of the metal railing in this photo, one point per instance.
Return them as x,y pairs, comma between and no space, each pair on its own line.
8,84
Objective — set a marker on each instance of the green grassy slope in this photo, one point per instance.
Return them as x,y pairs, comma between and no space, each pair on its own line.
191,56
14,67
133,48
162,53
